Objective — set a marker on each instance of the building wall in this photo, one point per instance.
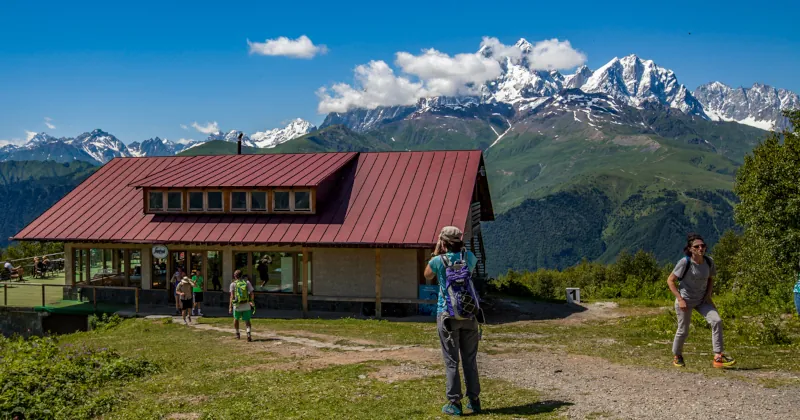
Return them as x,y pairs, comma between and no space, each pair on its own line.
351,272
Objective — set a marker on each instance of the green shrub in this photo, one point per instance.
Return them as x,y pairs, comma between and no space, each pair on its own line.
104,322
43,380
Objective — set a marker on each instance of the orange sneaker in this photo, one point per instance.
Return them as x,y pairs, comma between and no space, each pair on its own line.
723,361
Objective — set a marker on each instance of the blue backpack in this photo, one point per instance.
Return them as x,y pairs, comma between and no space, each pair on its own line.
461,300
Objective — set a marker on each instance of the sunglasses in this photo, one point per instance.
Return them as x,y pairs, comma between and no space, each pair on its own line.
701,246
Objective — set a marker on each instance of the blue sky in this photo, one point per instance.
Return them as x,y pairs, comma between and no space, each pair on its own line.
142,69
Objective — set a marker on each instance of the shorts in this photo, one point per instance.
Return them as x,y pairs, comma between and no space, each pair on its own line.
187,303
243,315
198,297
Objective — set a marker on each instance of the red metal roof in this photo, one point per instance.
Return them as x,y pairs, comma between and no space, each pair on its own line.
275,170
385,199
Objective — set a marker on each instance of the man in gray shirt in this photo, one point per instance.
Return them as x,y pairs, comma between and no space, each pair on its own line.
696,273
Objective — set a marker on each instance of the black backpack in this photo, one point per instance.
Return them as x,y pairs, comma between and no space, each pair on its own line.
689,262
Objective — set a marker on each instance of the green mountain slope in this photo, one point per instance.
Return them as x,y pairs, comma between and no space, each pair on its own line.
335,138
29,188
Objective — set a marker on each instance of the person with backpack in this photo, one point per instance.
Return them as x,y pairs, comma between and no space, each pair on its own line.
696,273
241,302
457,313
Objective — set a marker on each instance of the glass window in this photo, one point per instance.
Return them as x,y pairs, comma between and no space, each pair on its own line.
174,201
302,201
79,260
258,201
214,200
196,201
136,267
214,270
240,263
159,273
281,201
274,272
156,201
239,200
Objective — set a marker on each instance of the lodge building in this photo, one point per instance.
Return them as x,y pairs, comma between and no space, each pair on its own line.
313,231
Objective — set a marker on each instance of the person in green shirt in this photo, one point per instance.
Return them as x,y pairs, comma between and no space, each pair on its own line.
197,292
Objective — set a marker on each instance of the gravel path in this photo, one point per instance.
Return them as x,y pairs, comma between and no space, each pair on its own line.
596,388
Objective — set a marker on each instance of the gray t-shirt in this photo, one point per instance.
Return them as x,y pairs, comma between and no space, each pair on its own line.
694,283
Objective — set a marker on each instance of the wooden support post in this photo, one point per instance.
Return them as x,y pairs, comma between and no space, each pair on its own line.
137,301
304,286
94,298
88,263
378,285
43,299
5,295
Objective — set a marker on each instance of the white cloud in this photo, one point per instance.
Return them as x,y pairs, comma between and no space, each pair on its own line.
375,85
29,135
49,123
301,47
184,141
184,126
448,76
433,73
208,128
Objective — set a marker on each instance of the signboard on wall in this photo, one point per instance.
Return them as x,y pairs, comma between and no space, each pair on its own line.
160,251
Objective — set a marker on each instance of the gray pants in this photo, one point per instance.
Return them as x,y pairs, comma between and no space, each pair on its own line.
460,337
709,312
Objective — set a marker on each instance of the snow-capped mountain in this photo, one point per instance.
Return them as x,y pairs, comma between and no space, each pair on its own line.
517,82
634,81
101,146
758,106
157,147
271,138
232,136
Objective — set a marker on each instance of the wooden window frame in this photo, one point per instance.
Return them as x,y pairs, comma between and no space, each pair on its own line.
311,201
273,209
206,202
250,201
246,201
166,202
189,203
163,202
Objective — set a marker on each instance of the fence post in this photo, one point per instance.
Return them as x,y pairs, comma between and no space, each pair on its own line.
137,300
5,295
94,298
43,299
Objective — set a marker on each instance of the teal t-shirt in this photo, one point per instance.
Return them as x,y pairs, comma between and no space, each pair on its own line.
437,266
797,285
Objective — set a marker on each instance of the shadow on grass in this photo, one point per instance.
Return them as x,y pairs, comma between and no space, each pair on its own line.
265,340
534,408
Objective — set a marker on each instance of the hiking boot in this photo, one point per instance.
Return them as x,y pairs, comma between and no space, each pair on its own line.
249,339
453,409
474,406
723,361
238,336
678,361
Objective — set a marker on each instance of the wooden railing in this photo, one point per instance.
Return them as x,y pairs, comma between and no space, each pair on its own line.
63,286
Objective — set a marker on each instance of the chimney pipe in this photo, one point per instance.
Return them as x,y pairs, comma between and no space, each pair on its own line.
239,144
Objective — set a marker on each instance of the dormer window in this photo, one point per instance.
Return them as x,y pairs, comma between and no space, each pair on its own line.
214,200
258,201
174,201
156,200
238,201
302,201
196,201
281,201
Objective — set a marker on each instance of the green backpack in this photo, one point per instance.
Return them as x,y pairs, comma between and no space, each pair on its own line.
240,293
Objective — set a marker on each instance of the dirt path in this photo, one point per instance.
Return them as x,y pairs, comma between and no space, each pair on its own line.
587,387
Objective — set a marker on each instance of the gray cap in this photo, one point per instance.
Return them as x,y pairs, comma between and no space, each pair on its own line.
451,234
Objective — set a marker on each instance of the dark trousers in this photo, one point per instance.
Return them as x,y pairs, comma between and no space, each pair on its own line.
460,338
